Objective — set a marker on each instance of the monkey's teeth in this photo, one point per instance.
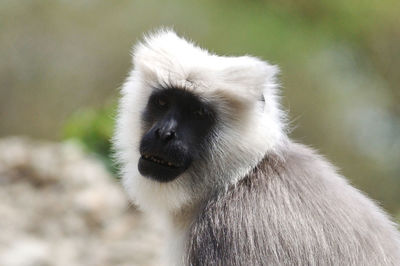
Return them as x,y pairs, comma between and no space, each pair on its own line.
159,161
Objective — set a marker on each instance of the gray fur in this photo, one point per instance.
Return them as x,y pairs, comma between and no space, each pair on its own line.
292,209
254,197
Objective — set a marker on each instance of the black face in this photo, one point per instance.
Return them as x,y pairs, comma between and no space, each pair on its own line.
177,124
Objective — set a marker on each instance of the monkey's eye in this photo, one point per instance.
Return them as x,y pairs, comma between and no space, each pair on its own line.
161,102
201,112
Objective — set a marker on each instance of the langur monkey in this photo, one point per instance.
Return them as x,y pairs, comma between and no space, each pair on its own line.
202,144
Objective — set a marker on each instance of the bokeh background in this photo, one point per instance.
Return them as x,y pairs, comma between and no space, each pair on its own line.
62,62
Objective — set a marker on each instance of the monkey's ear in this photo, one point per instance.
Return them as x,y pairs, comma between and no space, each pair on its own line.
249,77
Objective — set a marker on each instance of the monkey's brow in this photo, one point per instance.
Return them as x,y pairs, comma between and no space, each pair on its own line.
184,84
162,87
167,86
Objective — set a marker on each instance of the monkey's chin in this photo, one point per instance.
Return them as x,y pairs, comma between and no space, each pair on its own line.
159,172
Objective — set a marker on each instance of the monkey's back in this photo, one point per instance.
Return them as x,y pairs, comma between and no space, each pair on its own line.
293,209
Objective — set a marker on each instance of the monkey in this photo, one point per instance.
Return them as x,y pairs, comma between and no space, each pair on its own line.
203,144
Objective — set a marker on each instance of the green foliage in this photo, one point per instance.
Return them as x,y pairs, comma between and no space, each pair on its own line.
93,129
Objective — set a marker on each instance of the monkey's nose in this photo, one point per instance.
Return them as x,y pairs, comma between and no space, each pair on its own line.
166,135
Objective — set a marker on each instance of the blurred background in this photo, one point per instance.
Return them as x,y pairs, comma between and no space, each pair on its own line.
62,62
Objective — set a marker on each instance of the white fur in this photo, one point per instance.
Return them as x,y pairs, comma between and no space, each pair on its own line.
247,129
235,85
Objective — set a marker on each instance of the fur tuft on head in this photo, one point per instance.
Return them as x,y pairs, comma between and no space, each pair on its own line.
243,91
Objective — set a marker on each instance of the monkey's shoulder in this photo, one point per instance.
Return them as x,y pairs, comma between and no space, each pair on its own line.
293,208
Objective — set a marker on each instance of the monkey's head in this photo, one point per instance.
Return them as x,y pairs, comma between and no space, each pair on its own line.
190,121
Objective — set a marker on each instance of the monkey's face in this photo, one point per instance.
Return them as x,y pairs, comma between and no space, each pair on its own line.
176,124
211,120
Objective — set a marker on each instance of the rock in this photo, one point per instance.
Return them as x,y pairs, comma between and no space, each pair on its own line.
59,206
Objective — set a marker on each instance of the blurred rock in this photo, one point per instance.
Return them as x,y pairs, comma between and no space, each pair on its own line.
58,206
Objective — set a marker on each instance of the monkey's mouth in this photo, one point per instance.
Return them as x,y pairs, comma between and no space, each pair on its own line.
160,161
161,169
